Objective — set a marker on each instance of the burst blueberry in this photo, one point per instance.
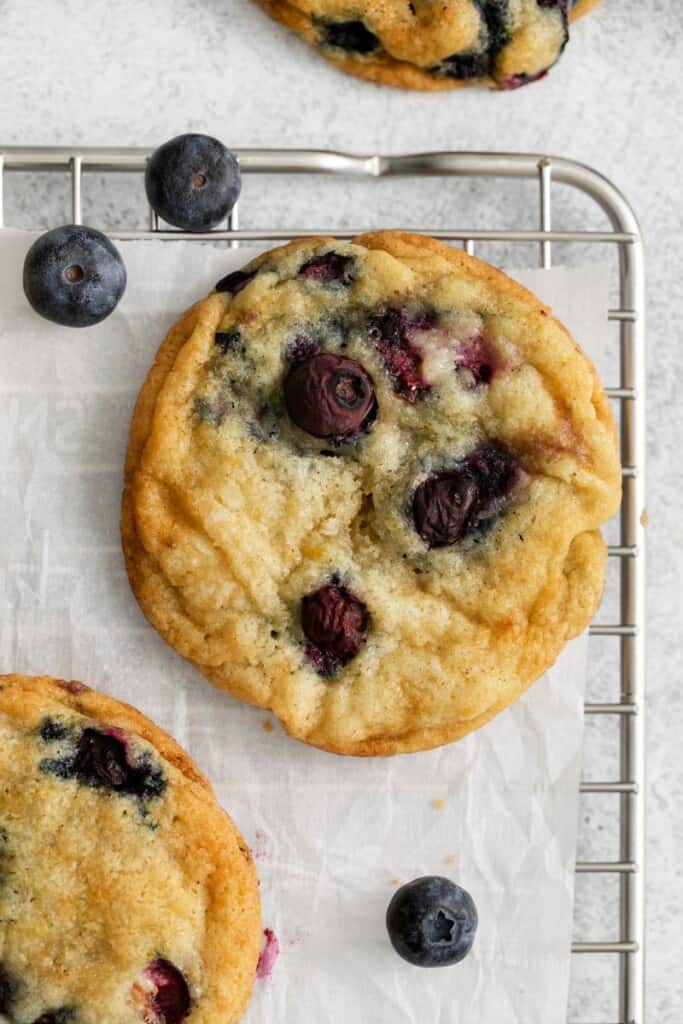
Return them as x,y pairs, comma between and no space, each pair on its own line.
330,396
193,182
476,358
392,332
450,505
335,622
74,276
101,760
432,922
330,268
167,993
352,36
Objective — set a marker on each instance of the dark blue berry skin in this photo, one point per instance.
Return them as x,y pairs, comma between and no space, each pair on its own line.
100,760
65,1015
351,36
193,182
235,281
74,276
6,991
432,922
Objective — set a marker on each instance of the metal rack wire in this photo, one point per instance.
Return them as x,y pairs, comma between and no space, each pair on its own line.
627,390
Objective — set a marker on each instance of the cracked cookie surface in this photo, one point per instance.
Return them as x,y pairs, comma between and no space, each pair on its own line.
502,44
126,893
363,489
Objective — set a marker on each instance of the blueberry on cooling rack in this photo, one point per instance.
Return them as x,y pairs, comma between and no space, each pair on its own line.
432,922
74,276
193,182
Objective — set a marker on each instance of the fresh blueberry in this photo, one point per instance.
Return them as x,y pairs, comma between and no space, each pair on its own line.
448,506
392,332
74,276
193,182
101,760
335,623
331,268
432,922
168,996
330,396
351,36
236,281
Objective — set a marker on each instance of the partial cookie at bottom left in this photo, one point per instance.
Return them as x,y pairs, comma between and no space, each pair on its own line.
126,893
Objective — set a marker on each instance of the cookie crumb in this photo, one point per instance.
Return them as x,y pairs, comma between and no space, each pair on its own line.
267,725
438,804
644,519
451,858
394,881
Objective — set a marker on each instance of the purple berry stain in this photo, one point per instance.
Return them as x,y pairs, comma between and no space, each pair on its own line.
476,357
517,81
392,333
302,349
335,623
451,505
268,955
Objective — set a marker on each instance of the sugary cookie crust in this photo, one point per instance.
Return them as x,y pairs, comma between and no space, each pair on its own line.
96,885
480,655
383,68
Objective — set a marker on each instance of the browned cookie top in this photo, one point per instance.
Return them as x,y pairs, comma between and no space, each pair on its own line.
363,489
126,894
428,45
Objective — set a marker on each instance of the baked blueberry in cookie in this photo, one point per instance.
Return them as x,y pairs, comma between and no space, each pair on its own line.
425,45
126,893
364,490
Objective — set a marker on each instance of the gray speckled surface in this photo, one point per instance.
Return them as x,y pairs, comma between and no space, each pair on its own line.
111,72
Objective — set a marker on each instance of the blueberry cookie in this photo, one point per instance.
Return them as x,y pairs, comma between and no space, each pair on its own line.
364,486
126,893
432,46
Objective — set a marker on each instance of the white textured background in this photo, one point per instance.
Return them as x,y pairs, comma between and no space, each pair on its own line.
114,72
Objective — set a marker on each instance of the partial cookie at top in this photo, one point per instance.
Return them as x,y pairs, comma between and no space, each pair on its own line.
501,44
126,893
363,489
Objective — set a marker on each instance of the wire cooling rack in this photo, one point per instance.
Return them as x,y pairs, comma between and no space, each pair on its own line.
625,709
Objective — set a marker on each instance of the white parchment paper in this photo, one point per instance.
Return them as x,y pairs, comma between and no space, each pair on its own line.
332,836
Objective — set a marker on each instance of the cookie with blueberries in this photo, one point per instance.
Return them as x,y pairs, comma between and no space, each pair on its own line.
364,487
502,44
126,893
